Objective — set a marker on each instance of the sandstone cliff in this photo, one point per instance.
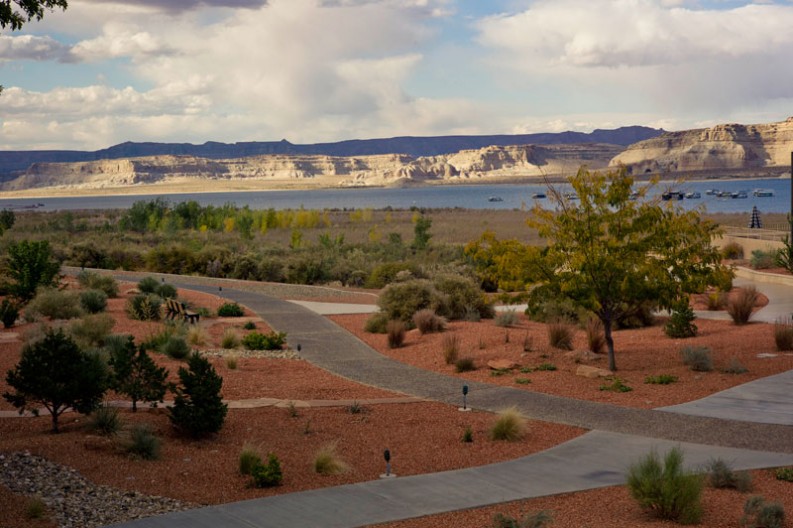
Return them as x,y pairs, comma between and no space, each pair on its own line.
723,147
496,162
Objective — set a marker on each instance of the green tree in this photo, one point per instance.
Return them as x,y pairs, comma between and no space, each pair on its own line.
15,13
30,264
7,217
609,252
136,375
198,408
509,265
55,373
421,232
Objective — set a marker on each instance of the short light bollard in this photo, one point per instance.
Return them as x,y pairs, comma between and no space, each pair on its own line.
387,474
465,407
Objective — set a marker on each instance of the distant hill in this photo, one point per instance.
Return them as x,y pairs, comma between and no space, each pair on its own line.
15,162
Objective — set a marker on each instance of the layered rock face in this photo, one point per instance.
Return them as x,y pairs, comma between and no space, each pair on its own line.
358,171
722,147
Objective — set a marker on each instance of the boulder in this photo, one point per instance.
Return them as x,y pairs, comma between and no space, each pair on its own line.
501,364
592,372
582,355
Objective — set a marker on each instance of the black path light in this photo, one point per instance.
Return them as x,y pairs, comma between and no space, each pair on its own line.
465,407
387,457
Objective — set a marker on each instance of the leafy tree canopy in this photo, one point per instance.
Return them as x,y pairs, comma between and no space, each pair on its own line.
15,13
30,264
611,249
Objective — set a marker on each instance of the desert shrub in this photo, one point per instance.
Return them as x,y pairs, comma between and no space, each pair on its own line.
93,301
636,316
231,362
395,332
716,300
783,333
55,304
92,330
384,274
761,514
169,328
472,315
735,367
9,312
544,305
328,462
540,519
785,474
722,476
681,323
698,358
741,303
35,508
166,291
507,318
29,266
197,335
761,259
510,425
465,364
560,335
144,307
616,385
660,379
468,435
143,443
91,280
269,474
269,341
198,407
401,300
546,367
459,295
451,348
230,310
176,347
106,420
732,251
148,285
595,336
427,321
666,489
250,325
248,460
376,324
230,339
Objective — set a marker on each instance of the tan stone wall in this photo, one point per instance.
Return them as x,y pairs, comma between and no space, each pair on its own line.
748,244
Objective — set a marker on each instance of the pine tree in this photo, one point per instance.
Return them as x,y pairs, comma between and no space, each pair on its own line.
198,408
136,375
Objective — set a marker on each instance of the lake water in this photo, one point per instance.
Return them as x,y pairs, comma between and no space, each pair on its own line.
464,196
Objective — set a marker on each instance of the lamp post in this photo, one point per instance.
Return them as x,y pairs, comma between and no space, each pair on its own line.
387,457
465,407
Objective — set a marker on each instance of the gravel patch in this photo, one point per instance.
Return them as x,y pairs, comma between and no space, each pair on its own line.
244,353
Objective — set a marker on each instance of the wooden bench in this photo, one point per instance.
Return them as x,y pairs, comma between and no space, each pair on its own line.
175,308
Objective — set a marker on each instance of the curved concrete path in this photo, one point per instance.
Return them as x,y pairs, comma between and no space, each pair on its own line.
596,459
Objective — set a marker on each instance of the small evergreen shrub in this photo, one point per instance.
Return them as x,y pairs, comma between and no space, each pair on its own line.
741,303
231,362
250,325
395,332
732,251
35,508
762,259
144,307
595,336
269,474
269,341
148,285
697,358
94,281
55,304
783,334
560,335
546,366
722,476
468,435
106,420
198,408
522,381
540,519
451,348
785,474
510,425
93,301
377,323
143,443
666,489
249,459
427,322
465,364
681,323
660,379
616,385
230,310
230,339
328,462
507,319
92,330
9,313
735,367
166,291
761,514
176,347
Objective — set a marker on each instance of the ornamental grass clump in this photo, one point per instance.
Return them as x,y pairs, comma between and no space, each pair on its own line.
665,489
507,319
395,331
510,425
144,307
230,339
451,348
465,364
427,321
106,420
698,358
560,335
741,303
249,459
143,443
595,336
328,462
783,333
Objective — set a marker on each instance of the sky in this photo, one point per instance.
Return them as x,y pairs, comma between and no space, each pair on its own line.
107,71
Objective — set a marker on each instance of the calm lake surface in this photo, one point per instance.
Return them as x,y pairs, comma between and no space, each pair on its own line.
468,196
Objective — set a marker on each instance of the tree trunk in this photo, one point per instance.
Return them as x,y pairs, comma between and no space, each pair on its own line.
134,405
55,429
609,343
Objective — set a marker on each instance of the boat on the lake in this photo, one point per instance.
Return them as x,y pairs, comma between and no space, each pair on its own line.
672,195
763,193
740,195
695,195
495,199
538,196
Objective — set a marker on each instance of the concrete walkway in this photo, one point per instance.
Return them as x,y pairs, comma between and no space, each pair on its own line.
599,458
